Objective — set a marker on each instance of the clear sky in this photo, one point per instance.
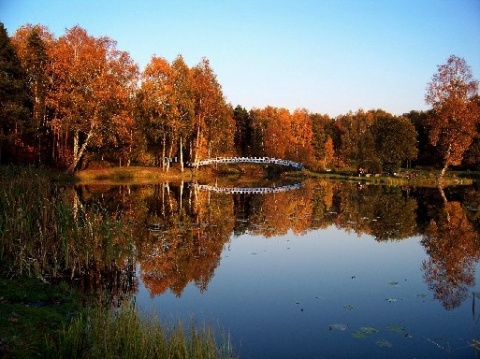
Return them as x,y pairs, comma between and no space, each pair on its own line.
328,56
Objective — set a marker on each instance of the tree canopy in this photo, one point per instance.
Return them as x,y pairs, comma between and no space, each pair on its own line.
77,99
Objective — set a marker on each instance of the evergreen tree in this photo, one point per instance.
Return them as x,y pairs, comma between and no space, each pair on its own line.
14,110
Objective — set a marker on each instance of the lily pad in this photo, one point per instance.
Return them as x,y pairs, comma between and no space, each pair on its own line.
384,344
338,326
364,332
393,284
391,300
396,328
350,307
421,295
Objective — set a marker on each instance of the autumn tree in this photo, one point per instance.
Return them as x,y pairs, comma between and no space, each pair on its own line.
259,125
93,89
300,147
279,132
14,106
214,128
323,139
272,132
157,100
452,126
275,132
184,105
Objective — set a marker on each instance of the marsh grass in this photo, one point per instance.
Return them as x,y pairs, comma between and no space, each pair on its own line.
45,231
124,333
48,234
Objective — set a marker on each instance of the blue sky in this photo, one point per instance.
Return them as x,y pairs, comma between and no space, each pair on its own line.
328,56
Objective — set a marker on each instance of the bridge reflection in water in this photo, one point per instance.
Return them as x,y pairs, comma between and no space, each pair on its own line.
240,190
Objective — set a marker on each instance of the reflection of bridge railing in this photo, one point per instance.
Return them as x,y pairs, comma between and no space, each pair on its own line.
257,190
267,160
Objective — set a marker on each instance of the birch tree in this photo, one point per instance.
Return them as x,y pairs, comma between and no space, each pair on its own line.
452,126
93,87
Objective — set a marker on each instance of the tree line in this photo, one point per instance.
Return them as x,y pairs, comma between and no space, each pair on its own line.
76,99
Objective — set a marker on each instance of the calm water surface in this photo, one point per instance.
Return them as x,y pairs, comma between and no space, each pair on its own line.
278,298
325,271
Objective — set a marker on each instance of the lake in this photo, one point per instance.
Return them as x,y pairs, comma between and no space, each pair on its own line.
312,270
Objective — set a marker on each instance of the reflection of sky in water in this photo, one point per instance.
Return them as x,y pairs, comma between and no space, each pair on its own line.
277,297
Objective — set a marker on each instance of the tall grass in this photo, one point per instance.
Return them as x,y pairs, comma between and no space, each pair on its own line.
125,334
46,231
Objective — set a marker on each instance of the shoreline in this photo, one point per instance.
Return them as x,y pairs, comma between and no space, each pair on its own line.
151,175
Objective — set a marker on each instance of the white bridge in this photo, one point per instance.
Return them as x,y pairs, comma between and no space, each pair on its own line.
240,190
267,160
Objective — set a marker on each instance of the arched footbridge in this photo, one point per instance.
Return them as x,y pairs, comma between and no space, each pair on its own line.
261,160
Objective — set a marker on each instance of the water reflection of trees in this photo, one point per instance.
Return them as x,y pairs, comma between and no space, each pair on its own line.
185,239
386,213
452,244
180,231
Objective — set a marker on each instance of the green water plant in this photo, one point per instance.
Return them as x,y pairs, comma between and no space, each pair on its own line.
125,333
364,332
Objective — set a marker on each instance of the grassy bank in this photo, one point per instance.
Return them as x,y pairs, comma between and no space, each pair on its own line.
148,175
48,242
251,173
416,178
30,314
137,175
40,320
123,333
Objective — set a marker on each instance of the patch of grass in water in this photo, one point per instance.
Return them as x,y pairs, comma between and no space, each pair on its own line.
364,332
49,321
124,333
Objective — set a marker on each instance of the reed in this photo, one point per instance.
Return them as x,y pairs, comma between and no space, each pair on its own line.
123,333
46,231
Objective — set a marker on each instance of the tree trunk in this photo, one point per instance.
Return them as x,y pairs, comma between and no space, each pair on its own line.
197,148
76,140
181,154
164,149
445,166
170,155
78,152
442,172
181,196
